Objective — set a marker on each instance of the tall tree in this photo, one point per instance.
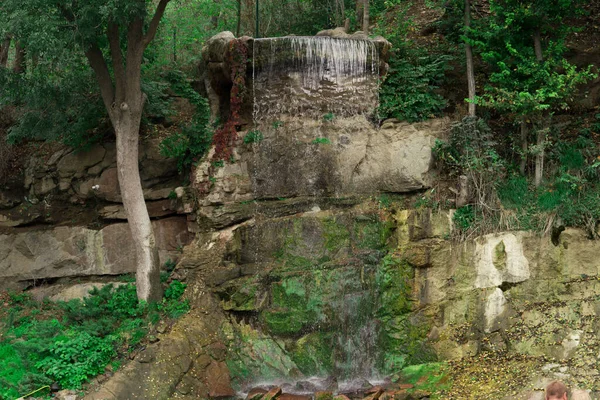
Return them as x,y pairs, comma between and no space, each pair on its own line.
365,17
469,58
112,34
19,62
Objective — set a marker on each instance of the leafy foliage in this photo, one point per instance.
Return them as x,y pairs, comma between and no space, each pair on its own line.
71,342
193,141
409,92
253,136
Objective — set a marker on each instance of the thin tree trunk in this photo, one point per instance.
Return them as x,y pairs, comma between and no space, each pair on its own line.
537,44
541,133
469,56
239,19
360,8
19,63
4,47
539,157
524,146
365,21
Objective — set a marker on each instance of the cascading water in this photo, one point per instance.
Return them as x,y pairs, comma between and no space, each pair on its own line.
312,76
300,86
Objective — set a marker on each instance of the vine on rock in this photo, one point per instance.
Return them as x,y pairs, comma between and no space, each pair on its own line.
225,137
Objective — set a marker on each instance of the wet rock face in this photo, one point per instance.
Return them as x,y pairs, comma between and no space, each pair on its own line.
278,65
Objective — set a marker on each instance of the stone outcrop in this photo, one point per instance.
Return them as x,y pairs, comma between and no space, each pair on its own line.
345,157
64,178
77,251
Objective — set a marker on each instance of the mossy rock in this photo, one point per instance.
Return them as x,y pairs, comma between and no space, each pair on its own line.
313,353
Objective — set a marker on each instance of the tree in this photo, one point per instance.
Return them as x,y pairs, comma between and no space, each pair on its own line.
525,83
365,17
112,34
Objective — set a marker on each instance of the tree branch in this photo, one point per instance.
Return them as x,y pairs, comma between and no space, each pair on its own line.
98,64
117,60
160,10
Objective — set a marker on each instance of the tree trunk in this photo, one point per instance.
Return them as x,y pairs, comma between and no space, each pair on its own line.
469,56
539,157
239,19
4,47
365,21
523,147
148,263
360,8
541,133
19,63
537,44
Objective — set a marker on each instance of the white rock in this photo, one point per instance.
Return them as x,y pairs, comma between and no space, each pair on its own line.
494,308
517,265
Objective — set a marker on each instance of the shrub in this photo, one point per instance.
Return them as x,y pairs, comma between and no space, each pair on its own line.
253,136
410,90
192,142
80,339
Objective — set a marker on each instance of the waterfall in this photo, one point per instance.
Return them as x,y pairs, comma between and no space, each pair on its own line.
313,76
306,91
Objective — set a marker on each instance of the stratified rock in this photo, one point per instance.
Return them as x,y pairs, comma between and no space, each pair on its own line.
287,396
77,251
75,163
156,209
256,394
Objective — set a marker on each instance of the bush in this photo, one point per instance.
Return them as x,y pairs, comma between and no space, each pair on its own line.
71,342
193,141
471,151
410,90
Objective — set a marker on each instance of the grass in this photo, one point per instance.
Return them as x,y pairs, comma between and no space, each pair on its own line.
72,342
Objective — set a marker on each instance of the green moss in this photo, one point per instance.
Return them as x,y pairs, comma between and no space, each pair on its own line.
290,311
372,233
324,396
253,354
430,377
336,235
403,336
313,353
241,294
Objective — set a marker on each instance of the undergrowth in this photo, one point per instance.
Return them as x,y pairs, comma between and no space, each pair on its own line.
72,342
500,198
